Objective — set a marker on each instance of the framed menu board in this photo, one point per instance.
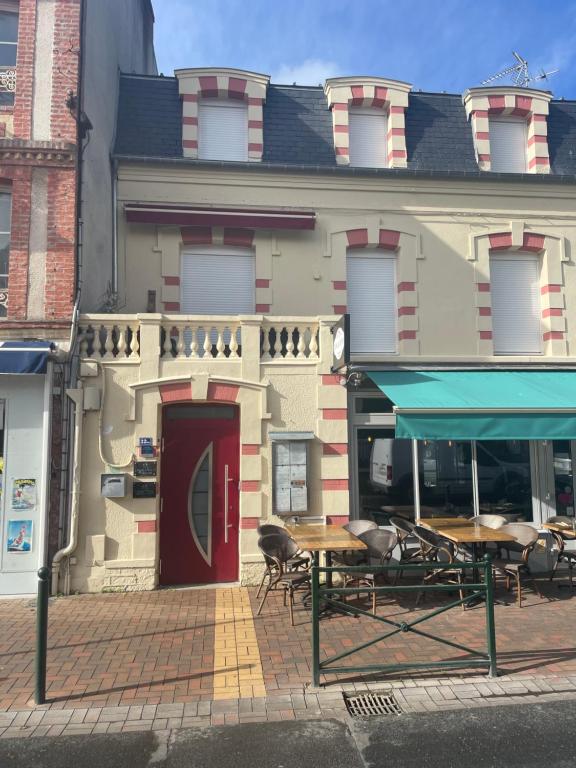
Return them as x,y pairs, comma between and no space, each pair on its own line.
290,472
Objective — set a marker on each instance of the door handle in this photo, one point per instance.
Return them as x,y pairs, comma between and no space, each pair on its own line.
227,480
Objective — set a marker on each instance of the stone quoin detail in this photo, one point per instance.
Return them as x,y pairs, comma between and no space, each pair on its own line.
234,84
483,103
391,96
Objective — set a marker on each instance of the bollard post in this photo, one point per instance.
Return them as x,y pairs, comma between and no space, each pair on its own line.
490,624
315,626
42,633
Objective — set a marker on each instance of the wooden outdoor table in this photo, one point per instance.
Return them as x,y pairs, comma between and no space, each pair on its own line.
462,531
564,528
324,538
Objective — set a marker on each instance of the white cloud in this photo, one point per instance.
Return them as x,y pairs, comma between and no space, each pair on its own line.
309,72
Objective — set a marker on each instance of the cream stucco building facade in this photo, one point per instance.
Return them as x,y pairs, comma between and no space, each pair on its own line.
299,221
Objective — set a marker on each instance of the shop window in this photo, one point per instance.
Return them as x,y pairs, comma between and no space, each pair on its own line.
368,130
385,476
222,130
504,479
445,478
8,51
5,205
373,405
508,145
515,297
371,285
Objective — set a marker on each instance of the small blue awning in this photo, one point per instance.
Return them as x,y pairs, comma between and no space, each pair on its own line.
482,405
24,356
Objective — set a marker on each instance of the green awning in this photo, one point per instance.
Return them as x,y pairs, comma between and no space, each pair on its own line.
481,405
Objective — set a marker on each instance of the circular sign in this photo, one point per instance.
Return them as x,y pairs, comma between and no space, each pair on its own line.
338,344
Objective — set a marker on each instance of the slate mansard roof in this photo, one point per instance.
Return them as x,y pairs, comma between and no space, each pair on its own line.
298,130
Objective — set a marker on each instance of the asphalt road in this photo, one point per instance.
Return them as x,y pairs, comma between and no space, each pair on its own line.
526,736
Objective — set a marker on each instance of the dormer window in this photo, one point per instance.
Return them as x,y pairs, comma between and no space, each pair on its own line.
508,145
509,128
368,121
368,133
222,130
222,113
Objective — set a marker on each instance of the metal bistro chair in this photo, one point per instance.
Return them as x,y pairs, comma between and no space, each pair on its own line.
405,531
437,549
526,538
568,556
299,561
354,557
380,545
280,549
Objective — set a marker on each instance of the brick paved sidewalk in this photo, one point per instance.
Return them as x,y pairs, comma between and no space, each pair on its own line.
175,658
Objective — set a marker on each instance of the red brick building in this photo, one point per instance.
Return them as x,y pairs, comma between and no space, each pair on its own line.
58,95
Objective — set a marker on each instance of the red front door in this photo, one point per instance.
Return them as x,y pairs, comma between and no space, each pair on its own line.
200,497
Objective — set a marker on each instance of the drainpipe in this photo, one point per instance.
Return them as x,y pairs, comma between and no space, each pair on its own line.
77,397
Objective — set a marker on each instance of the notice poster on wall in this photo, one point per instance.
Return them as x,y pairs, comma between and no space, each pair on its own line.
19,538
24,494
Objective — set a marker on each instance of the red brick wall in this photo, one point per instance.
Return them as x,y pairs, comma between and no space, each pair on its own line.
65,72
60,261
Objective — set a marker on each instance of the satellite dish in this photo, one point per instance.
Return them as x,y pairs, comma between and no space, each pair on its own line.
519,73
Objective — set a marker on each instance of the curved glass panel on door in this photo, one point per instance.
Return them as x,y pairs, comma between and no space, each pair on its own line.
200,505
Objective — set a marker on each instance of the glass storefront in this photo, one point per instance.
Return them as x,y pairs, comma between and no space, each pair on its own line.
521,480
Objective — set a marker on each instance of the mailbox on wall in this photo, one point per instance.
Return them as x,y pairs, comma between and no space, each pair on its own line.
290,471
113,486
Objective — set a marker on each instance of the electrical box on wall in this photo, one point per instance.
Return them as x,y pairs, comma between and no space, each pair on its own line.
290,471
113,486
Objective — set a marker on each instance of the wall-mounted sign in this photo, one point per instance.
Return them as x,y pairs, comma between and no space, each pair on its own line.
290,471
145,468
144,490
341,343
146,445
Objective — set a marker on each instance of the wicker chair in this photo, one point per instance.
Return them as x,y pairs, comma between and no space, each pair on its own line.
354,557
380,545
568,556
405,531
299,562
280,549
490,521
526,537
437,549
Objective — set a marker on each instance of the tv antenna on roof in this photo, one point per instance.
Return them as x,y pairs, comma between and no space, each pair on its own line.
519,73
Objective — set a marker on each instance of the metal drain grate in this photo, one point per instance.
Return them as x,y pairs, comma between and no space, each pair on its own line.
368,704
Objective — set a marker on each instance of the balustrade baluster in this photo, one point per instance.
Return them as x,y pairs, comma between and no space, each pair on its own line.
289,341
121,345
207,346
108,342
193,342
220,342
135,343
313,344
266,346
301,347
233,345
167,346
181,343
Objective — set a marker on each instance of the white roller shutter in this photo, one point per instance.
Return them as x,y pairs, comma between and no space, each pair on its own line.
222,130
515,293
368,130
508,145
371,286
218,282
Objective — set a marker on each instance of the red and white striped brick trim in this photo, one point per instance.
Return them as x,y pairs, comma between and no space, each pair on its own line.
372,93
552,294
248,87
483,103
195,236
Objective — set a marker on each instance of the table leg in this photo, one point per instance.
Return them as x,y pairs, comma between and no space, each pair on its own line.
329,565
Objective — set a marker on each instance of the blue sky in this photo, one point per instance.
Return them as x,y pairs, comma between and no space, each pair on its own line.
437,45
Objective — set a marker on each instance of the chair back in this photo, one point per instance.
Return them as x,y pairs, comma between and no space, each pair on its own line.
490,521
356,527
380,543
277,548
526,537
434,546
267,529
404,528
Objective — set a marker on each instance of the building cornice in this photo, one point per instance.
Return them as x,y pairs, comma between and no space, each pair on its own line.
45,153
